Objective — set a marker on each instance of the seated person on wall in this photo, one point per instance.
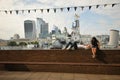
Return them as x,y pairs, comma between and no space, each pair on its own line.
71,43
95,45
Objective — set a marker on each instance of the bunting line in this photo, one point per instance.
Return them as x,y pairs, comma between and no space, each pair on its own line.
55,9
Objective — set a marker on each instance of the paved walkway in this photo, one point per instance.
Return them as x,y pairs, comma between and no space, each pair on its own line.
6,75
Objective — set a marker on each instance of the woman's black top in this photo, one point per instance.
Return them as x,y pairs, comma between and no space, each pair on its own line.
94,43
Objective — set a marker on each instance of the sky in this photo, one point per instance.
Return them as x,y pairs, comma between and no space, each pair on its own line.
96,21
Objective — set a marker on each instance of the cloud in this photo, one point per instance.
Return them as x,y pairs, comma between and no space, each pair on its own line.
111,17
27,4
6,4
12,24
112,12
31,4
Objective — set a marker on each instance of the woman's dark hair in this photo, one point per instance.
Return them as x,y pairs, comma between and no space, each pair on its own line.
94,40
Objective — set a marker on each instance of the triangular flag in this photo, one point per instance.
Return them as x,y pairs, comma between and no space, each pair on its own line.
54,10
48,10
89,7
61,9
35,10
82,7
75,8
41,10
113,5
28,11
10,12
68,8
22,11
97,6
105,5
5,11
16,11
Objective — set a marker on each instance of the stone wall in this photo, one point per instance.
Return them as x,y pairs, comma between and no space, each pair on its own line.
106,62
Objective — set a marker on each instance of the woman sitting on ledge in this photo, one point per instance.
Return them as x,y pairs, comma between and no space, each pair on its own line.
94,46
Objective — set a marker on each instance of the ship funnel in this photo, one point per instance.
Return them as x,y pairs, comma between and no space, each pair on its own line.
114,38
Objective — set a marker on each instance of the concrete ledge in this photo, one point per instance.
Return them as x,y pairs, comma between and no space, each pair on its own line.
80,56
60,63
106,62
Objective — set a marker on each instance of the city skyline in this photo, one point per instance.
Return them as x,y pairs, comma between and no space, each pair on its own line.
94,21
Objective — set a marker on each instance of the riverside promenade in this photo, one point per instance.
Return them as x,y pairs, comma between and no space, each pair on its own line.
18,75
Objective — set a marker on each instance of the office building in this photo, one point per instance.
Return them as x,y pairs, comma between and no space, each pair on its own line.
42,28
30,29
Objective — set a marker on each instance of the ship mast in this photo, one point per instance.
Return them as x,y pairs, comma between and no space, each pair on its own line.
75,27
